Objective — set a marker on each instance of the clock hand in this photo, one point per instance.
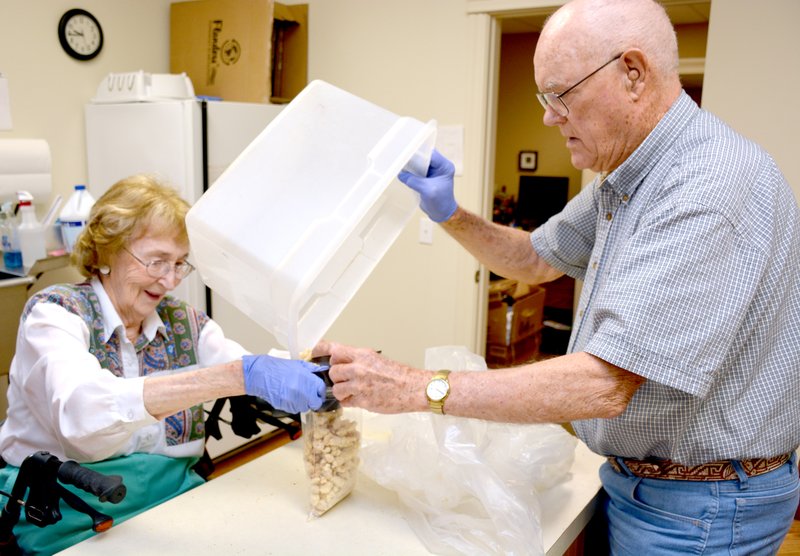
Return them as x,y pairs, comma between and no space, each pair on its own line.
76,33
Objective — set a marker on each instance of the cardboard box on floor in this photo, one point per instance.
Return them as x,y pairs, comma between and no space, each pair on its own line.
527,313
523,351
518,340
241,50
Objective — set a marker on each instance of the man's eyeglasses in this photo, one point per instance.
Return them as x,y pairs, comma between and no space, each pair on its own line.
554,100
159,268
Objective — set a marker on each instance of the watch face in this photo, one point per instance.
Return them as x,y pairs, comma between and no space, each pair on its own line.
437,389
80,34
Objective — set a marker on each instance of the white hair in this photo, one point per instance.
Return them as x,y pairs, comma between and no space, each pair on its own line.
613,26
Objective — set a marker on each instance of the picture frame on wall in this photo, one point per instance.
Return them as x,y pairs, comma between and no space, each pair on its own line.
528,160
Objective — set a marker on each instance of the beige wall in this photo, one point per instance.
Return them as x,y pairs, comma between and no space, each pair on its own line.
413,57
48,89
692,40
752,75
410,57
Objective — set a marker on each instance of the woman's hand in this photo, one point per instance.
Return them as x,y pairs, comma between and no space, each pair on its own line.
287,384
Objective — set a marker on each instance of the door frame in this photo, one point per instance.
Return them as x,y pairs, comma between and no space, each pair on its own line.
485,34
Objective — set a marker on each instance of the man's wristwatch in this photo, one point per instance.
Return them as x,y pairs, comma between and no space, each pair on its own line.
437,391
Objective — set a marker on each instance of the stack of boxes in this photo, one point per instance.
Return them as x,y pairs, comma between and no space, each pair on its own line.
515,323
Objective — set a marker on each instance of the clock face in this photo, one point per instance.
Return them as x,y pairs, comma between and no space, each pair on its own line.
80,34
437,389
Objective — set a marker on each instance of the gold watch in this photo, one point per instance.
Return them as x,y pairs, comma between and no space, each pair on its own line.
437,391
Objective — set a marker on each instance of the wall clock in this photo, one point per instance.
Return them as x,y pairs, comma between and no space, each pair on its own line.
80,34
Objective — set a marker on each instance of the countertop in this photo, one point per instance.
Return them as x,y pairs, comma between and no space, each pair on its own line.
262,508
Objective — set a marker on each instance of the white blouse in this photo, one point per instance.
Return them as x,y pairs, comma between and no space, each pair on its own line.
62,401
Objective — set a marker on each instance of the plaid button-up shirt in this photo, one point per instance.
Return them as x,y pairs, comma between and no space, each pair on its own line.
690,256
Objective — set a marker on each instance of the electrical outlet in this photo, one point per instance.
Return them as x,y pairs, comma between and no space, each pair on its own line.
425,231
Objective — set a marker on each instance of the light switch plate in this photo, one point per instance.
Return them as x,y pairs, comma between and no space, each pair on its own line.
425,231
5,105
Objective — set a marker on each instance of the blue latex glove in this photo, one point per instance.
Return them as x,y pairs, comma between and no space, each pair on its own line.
287,384
436,189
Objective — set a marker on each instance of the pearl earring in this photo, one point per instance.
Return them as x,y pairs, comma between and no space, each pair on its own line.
104,270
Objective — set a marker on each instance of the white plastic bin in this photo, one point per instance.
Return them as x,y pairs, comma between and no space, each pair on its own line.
293,227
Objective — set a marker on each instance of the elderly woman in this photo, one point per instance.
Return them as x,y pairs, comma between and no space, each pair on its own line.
113,371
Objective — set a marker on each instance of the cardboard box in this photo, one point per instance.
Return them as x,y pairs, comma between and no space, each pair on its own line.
13,296
527,312
289,51
241,50
520,352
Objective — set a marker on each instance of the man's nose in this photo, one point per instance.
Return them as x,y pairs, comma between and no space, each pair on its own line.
552,118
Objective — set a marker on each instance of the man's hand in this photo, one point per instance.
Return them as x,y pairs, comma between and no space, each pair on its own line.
364,378
436,189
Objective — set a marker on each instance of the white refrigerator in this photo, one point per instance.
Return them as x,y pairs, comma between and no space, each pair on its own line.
188,143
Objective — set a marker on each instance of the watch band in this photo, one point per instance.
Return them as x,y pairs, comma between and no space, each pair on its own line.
437,406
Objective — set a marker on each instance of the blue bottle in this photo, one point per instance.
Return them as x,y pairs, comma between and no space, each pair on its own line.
12,255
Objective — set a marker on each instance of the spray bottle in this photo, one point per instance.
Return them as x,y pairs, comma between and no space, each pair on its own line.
30,232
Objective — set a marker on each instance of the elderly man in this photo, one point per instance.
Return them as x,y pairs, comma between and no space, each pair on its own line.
684,361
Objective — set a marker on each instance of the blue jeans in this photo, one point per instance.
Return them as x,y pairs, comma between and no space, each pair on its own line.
749,516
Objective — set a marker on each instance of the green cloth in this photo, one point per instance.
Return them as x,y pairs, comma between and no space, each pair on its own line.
150,480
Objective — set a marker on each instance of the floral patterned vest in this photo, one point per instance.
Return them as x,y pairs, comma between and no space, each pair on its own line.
173,348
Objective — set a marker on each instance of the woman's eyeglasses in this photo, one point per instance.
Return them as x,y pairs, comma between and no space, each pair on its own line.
159,268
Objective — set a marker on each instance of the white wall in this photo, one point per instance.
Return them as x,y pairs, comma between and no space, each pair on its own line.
752,75
48,89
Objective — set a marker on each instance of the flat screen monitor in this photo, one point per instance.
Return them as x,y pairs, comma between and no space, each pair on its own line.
539,198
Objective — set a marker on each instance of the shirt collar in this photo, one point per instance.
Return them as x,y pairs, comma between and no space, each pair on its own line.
151,326
627,176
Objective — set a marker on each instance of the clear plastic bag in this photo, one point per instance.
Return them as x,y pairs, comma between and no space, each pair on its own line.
331,453
467,486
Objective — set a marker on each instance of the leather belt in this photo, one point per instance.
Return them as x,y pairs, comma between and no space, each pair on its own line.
714,471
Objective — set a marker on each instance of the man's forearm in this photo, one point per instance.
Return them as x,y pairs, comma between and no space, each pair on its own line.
504,250
558,390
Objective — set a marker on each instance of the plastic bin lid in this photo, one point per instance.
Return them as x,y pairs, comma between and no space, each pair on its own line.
293,227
